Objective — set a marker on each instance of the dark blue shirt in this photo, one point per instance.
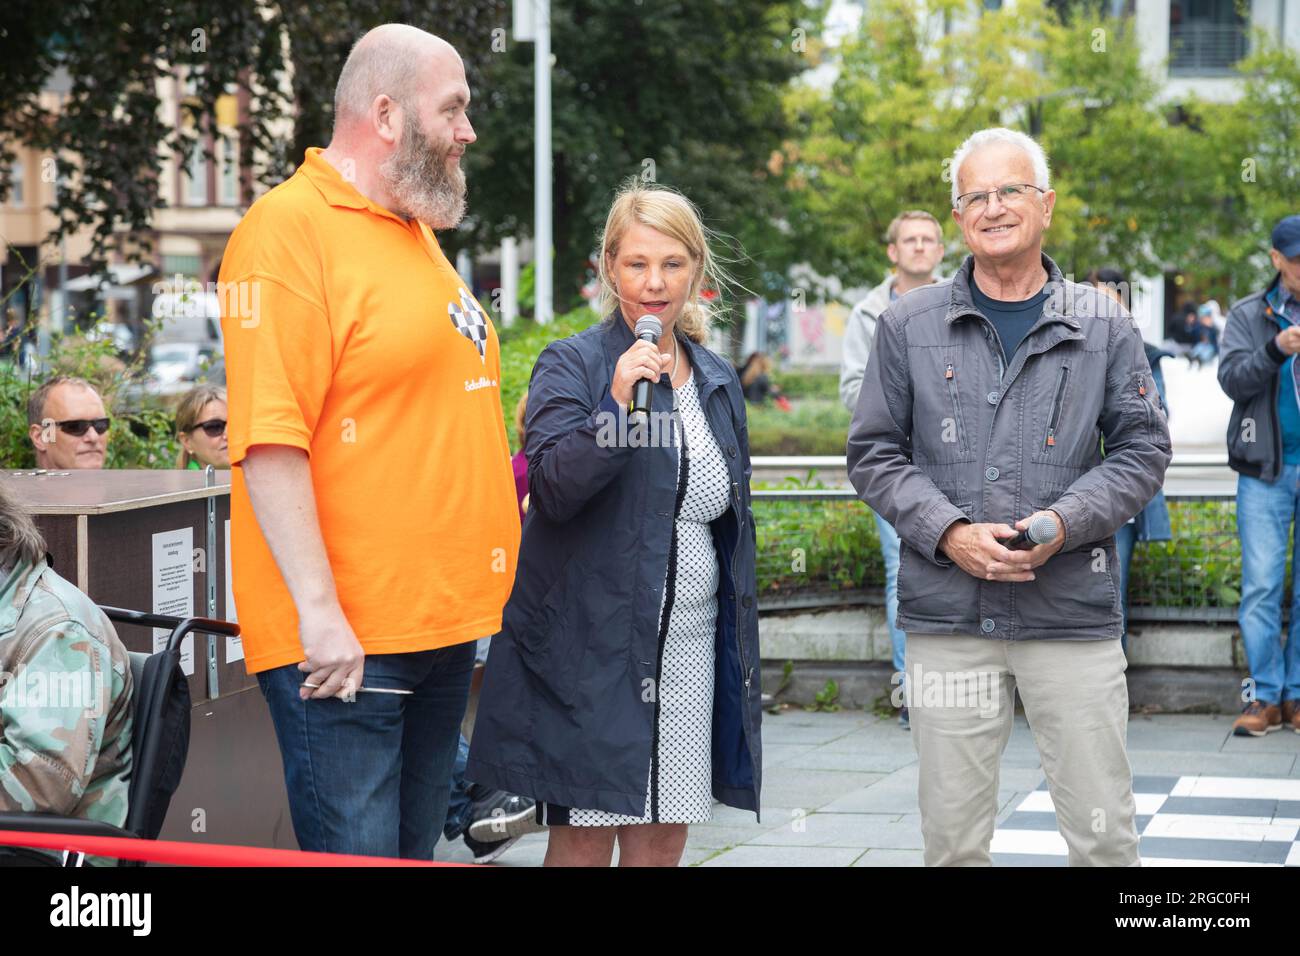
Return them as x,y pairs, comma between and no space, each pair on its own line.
1013,320
1286,311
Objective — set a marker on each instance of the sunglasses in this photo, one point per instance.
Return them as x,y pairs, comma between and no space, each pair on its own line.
213,427
77,426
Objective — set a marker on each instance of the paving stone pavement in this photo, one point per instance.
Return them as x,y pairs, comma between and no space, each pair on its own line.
839,788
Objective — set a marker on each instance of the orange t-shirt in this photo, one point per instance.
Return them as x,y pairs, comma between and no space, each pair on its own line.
349,335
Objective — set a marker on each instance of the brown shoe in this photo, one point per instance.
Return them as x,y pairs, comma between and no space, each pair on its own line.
1257,720
1291,715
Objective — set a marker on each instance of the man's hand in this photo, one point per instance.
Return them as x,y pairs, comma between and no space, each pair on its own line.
280,488
977,550
1039,553
1288,340
335,661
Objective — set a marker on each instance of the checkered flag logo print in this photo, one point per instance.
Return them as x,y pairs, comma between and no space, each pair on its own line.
471,322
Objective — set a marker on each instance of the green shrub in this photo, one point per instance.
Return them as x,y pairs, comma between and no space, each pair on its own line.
521,343
816,546
813,426
824,546
799,384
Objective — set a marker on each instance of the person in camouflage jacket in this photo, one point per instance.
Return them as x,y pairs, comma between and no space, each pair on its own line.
65,688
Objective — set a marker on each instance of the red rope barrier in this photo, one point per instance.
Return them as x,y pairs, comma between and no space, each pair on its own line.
194,854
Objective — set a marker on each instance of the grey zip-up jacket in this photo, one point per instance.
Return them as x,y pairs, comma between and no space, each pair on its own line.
859,333
945,431
1249,373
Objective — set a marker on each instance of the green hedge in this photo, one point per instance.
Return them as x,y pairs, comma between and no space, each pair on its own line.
817,424
798,384
820,546
813,426
521,343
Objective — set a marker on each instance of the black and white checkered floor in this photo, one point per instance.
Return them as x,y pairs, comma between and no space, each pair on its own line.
1182,821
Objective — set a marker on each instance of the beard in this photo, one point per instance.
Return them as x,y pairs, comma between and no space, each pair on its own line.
422,185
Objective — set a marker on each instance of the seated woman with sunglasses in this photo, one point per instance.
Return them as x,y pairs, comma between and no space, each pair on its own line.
67,425
201,428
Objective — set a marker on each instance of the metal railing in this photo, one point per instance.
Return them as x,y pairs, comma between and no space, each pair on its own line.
1206,48
819,548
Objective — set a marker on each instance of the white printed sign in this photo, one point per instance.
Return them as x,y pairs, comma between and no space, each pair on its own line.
173,587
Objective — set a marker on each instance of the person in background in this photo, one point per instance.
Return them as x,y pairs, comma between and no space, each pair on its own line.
1187,331
67,425
1258,372
1152,522
756,381
491,821
11,340
915,247
66,753
1206,348
201,428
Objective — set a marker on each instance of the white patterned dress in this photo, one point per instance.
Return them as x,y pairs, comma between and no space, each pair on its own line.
679,789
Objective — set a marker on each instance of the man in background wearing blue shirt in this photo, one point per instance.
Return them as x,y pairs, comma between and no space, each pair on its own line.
1257,369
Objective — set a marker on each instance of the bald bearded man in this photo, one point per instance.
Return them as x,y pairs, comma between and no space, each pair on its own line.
365,563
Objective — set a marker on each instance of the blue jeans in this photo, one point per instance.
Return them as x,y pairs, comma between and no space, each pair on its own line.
373,776
889,551
1265,512
1125,537
458,805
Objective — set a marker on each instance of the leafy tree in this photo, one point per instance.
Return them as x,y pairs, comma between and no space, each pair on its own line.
693,88
686,94
107,132
1133,182
1255,161
877,141
1135,185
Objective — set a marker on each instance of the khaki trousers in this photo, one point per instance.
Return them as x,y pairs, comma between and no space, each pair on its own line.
961,696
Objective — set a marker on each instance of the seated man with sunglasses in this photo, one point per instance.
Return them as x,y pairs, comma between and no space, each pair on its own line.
67,425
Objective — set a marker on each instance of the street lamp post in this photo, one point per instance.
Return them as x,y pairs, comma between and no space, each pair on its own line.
532,21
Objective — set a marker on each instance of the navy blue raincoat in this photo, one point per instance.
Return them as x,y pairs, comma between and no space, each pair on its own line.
568,711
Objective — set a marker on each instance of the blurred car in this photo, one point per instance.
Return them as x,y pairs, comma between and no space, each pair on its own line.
119,333
188,316
175,366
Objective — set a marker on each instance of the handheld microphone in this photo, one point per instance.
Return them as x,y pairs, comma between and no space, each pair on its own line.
648,329
1041,530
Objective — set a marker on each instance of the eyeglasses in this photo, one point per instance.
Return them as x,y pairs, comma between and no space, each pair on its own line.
77,426
1009,194
213,427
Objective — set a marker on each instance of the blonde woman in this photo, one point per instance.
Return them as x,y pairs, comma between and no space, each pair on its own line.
201,428
623,692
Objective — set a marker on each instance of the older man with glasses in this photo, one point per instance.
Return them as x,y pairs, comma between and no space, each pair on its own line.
978,435
67,425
